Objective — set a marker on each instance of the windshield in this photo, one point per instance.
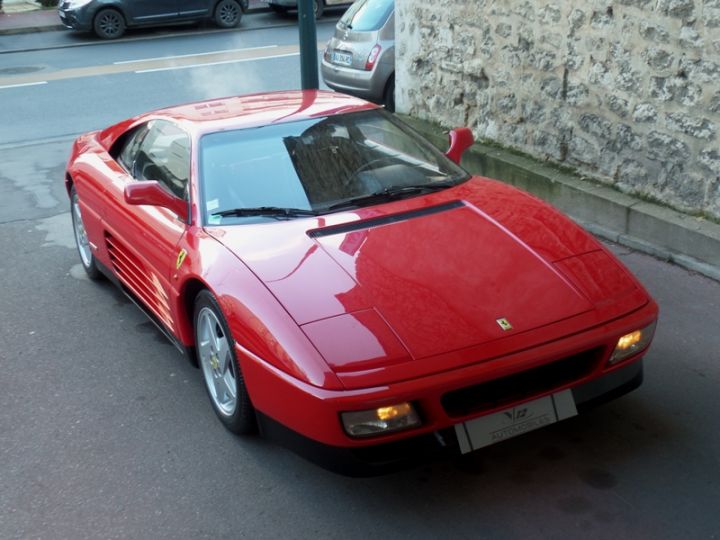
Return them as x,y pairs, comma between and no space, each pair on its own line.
367,15
316,166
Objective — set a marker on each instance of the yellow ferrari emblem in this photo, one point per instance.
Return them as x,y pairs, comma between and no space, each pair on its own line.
180,259
504,324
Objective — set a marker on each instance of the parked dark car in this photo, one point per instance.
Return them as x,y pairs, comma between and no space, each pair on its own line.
360,58
109,18
283,6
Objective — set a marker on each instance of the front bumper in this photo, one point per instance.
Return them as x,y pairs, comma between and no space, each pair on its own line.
78,19
392,456
446,398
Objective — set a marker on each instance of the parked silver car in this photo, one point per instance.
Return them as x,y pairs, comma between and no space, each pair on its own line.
360,58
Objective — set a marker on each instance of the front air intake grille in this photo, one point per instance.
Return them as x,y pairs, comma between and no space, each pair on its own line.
496,393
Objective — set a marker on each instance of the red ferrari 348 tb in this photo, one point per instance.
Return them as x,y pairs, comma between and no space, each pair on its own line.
346,287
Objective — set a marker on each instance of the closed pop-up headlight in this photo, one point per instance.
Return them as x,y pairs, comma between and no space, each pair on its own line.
381,420
632,343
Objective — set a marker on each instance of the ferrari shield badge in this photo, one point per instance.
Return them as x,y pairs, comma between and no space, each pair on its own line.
504,324
180,258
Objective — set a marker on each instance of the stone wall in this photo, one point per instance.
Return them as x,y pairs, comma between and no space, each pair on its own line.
627,92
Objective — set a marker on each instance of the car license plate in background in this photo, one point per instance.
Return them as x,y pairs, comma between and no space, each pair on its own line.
502,425
344,59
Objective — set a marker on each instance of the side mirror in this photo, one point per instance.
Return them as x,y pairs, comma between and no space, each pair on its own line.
460,140
150,192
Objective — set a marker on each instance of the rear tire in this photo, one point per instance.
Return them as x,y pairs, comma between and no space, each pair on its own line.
318,8
221,371
228,14
109,24
389,95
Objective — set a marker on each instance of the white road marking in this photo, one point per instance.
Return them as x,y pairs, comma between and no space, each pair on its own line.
22,84
194,55
217,63
185,62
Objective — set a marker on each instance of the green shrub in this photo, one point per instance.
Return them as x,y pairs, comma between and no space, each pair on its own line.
48,3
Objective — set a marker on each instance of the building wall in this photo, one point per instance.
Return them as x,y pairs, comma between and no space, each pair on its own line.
626,91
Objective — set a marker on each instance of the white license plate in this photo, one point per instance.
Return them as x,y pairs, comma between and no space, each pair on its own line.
514,421
344,59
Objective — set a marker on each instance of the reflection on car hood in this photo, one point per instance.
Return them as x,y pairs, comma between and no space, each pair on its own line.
442,271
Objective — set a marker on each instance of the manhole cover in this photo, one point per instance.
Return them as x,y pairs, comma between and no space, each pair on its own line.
19,70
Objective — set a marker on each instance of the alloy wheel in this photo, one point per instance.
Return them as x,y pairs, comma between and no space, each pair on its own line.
81,239
217,362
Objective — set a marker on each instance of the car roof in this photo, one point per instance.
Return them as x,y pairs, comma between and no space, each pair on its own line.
251,110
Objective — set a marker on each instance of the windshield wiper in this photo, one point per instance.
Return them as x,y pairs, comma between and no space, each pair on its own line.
269,211
391,194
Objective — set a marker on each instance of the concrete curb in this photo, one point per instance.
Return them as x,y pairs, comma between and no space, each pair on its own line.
30,29
56,27
690,242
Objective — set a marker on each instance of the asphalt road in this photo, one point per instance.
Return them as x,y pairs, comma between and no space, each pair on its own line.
60,83
106,431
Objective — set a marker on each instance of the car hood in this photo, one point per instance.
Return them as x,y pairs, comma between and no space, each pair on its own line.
417,278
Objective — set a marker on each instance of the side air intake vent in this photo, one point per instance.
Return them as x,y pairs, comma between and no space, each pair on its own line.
135,277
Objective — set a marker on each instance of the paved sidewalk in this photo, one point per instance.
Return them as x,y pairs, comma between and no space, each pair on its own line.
23,16
19,6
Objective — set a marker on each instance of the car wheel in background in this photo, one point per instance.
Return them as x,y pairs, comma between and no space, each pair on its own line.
228,14
109,24
389,95
318,8
81,240
221,371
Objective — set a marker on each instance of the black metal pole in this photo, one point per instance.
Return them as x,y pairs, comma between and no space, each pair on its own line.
308,45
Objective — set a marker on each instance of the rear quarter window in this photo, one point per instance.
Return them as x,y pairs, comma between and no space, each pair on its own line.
367,15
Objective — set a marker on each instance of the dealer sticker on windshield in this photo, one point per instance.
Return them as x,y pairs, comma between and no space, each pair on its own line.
514,421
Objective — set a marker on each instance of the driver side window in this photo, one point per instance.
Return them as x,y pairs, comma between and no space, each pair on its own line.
159,150
126,157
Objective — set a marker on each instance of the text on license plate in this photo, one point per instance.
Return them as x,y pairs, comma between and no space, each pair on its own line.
344,59
514,421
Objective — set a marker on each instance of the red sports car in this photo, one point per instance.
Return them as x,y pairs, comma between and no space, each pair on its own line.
346,287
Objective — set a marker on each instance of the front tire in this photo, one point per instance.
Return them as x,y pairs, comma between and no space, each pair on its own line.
109,24
221,371
81,239
228,14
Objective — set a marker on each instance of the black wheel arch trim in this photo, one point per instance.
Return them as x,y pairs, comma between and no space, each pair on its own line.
243,4
112,5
